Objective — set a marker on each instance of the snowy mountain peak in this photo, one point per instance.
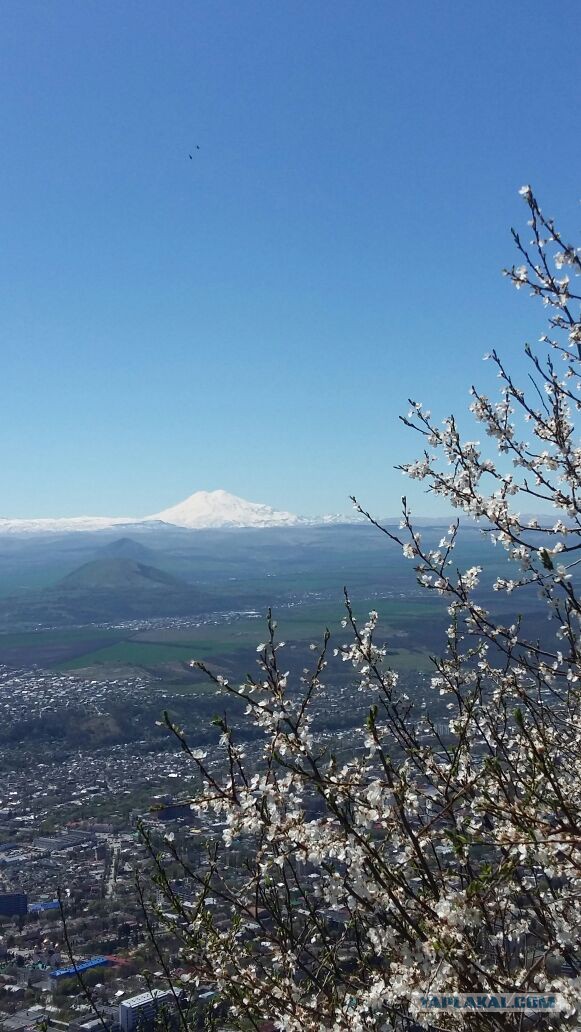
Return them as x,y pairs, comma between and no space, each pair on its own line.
204,509
221,509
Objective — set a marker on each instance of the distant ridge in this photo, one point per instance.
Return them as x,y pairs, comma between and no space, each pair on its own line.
203,510
65,524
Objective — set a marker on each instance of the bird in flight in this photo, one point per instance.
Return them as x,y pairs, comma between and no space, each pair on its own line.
197,148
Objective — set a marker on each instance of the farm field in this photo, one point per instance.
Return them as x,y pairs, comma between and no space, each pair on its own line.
152,649
55,647
159,647
113,615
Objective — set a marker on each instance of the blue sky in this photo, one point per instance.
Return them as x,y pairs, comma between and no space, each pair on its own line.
255,318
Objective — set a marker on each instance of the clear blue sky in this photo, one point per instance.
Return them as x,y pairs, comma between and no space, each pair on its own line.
256,318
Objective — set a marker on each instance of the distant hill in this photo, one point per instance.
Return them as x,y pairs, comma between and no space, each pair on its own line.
129,548
120,574
106,590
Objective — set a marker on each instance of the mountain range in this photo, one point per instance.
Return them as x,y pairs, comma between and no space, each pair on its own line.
202,510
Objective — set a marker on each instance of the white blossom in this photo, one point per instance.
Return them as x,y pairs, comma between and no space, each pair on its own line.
443,850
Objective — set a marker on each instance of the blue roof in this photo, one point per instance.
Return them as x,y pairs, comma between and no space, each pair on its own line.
84,965
37,908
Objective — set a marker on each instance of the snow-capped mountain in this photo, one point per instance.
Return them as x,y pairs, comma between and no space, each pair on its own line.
204,509
221,509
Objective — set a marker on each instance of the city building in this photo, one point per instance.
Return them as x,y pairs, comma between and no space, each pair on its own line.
73,969
66,840
13,904
139,1012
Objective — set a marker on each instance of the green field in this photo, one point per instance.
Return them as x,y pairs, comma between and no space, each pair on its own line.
150,655
302,624
54,648
135,653
406,626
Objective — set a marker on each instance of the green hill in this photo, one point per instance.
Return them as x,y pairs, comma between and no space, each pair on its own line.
120,574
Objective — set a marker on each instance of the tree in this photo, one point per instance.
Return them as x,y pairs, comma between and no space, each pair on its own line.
434,860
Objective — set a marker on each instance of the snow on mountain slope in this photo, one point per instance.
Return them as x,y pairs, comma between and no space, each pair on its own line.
63,525
221,509
204,509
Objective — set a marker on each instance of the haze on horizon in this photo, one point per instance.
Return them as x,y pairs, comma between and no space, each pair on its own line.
255,316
